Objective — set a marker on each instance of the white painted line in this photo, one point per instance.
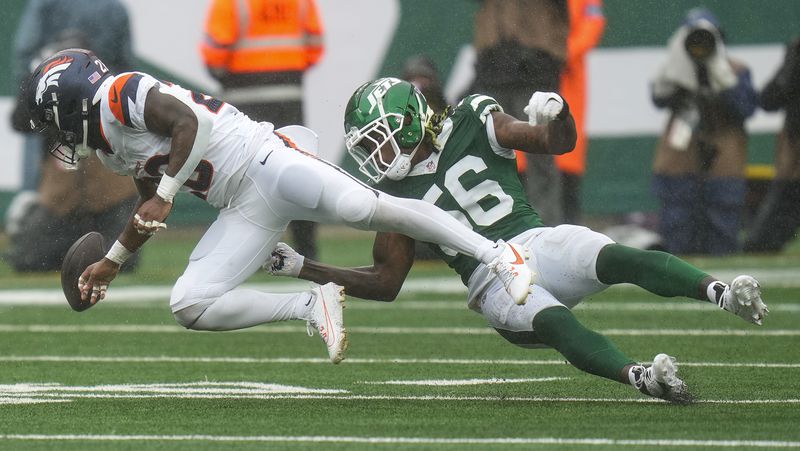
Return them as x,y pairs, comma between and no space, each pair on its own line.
149,293
248,390
459,382
348,361
662,442
25,393
656,305
775,277
283,329
10,400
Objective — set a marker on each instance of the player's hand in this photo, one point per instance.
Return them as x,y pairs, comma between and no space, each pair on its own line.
93,282
544,107
150,217
284,261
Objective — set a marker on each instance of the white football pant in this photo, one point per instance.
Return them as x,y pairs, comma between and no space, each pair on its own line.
564,259
284,184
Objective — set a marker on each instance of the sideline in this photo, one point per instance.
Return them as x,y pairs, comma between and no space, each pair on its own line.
782,277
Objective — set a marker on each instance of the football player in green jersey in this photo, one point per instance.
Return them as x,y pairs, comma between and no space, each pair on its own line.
462,162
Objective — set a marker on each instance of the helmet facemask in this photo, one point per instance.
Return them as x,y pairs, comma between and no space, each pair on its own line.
66,146
401,127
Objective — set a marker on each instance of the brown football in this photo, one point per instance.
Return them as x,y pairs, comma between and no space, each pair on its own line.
85,251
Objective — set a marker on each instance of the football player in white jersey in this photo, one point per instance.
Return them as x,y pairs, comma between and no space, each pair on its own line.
169,139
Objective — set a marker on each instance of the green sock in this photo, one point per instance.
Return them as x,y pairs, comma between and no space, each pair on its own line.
587,350
657,272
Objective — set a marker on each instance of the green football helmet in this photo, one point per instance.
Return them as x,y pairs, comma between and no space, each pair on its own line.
386,110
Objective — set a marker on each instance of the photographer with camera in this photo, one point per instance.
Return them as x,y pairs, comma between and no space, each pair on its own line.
700,160
778,217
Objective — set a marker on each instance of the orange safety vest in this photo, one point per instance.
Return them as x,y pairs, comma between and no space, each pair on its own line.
587,24
252,36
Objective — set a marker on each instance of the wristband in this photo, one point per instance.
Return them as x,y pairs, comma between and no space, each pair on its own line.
118,253
167,188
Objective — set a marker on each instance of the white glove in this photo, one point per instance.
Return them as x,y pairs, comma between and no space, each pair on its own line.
284,261
543,107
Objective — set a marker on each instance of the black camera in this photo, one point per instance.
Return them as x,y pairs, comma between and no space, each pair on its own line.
700,44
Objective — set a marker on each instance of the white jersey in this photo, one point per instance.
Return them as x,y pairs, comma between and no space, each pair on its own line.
135,151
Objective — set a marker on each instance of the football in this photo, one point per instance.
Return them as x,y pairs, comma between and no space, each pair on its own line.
85,251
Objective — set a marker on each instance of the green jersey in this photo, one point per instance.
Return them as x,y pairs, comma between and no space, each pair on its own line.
471,177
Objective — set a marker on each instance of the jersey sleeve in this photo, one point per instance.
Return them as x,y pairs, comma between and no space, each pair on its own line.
126,98
481,106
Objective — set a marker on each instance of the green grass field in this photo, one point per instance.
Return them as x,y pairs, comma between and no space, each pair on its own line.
421,373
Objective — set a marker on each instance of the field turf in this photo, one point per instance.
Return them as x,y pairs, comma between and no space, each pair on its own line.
421,373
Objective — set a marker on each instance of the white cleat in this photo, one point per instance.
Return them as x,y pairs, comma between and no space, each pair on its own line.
660,380
511,266
327,318
743,298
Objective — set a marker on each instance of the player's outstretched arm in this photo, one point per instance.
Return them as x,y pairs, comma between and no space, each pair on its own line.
554,135
93,282
392,254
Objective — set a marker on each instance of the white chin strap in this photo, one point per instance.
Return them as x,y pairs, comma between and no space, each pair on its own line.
400,167
82,150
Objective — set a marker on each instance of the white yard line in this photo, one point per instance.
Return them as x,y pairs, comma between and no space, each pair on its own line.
348,361
554,441
776,277
28,392
461,382
390,330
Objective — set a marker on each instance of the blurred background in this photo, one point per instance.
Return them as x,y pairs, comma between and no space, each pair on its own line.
368,38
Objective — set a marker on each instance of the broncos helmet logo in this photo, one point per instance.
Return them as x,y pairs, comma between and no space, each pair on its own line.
50,75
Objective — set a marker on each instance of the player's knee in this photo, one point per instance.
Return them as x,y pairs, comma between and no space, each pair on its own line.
187,306
357,207
300,185
188,316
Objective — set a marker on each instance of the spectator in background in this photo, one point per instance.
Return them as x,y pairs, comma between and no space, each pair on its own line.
521,47
586,26
778,216
72,202
259,56
422,72
700,161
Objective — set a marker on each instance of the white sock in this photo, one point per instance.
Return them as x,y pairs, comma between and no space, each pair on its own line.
303,306
635,375
715,292
488,251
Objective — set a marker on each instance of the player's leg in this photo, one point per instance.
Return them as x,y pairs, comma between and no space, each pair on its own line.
207,296
573,262
544,321
296,186
667,275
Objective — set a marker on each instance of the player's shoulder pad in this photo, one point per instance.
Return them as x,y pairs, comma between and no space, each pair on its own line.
480,105
122,96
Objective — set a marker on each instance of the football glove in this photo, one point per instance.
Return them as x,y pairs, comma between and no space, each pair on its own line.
544,107
284,261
